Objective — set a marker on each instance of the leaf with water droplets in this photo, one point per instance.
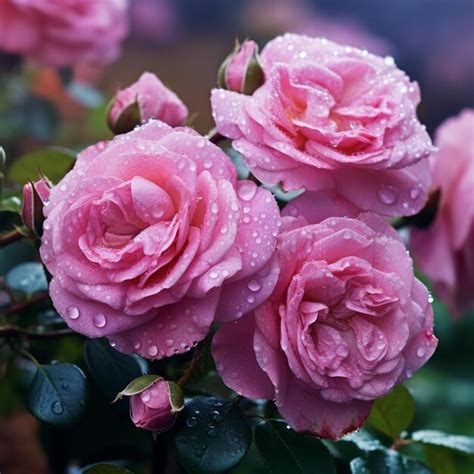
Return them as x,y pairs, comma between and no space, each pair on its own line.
111,370
387,462
284,451
58,394
393,413
212,435
465,444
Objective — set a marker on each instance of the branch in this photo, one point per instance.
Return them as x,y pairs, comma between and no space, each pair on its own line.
192,367
15,331
10,236
16,308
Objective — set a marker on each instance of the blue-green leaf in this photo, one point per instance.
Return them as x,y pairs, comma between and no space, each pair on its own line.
58,394
212,435
464,444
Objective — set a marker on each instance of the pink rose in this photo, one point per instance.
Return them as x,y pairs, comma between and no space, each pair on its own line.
241,71
347,321
151,236
60,33
156,408
34,197
444,251
145,99
330,117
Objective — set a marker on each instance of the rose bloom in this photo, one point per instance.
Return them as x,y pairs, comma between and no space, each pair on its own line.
445,250
330,117
151,236
153,100
347,321
63,33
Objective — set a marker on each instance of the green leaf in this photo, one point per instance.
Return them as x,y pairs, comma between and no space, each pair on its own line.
58,394
110,369
104,468
440,459
212,435
52,162
284,451
387,462
11,204
465,444
137,385
393,413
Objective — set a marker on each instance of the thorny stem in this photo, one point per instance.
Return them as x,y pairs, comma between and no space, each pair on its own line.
192,367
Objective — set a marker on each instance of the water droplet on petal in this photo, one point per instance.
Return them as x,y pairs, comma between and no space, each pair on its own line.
73,312
99,320
388,195
152,351
254,285
247,190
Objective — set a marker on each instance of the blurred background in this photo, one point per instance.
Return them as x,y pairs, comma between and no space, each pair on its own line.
184,42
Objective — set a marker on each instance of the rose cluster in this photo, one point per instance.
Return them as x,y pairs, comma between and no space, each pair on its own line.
151,238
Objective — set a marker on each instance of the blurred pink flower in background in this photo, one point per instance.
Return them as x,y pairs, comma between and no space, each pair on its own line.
154,19
59,33
445,250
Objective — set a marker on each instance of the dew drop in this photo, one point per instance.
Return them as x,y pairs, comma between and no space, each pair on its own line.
169,342
152,351
192,421
57,408
414,193
387,195
421,351
73,312
99,320
247,190
254,285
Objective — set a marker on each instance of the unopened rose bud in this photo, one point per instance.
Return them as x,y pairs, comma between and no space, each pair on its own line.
145,99
156,408
241,71
34,197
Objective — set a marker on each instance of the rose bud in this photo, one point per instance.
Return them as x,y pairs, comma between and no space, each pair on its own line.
241,71
34,197
156,408
145,99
